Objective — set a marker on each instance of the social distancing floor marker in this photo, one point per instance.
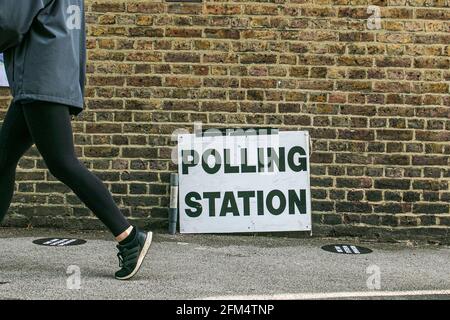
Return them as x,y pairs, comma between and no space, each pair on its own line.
59,242
346,249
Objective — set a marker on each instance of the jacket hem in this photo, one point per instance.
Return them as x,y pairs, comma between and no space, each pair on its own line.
75,106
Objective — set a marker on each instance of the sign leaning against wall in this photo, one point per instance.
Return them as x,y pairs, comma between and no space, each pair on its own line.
244,183
3,80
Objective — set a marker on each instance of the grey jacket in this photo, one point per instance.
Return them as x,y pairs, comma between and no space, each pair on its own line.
44,47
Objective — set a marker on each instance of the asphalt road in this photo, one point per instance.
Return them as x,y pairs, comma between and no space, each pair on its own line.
220,267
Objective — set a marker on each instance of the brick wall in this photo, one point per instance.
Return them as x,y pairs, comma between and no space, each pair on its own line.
376,102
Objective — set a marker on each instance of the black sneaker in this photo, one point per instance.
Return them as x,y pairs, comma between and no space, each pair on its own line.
132,254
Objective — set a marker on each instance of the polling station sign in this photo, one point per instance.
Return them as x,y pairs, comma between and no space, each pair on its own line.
244,182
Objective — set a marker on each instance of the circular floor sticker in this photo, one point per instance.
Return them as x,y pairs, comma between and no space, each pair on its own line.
59,242
346,249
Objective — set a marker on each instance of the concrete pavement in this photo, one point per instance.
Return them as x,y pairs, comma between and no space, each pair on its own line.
218,266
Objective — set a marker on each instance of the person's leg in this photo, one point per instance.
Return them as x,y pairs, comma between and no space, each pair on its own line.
49,125
51,129
15,140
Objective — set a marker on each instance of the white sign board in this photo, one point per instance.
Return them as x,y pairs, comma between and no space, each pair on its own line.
244,183
3,80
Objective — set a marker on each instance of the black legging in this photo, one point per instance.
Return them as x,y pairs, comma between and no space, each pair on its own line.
48,125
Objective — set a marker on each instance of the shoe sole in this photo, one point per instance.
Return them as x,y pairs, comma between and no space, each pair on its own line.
148,242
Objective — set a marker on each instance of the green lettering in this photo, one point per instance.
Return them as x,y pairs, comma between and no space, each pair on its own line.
246,195
269,202
297,201
245,168
193,204
261,161
186,163
229,205
260,202
228,167
302,165
216,167
276,159
211,196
